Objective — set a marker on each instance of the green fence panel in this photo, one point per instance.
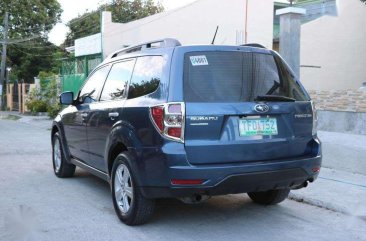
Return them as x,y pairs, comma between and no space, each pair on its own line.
72,82
74,71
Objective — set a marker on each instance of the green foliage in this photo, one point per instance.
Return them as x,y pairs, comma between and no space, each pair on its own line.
37,106
364,1
30,19
28,59
46,98
35,102
122,11
46,78
53,110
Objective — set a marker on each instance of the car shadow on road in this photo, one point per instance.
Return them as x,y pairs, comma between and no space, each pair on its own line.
217,209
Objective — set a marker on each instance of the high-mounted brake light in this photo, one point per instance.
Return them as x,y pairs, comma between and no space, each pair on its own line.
169,120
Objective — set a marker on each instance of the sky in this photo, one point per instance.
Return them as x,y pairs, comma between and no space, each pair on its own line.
73,8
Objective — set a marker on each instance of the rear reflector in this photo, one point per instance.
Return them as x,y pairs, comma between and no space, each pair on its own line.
316,169
175,132
187,182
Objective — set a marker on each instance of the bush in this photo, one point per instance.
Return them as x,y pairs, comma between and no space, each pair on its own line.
53,110
45,99
37,105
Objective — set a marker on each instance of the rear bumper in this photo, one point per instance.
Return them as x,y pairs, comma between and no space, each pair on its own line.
237,178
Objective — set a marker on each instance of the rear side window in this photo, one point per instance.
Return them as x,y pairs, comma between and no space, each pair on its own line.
117,80
146,76
235,77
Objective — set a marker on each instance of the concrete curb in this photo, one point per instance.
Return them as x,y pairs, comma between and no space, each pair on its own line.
335,190
317,203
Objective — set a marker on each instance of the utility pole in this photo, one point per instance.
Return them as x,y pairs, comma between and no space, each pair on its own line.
3,59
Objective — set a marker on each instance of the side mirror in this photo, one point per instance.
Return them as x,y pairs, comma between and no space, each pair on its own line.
67,98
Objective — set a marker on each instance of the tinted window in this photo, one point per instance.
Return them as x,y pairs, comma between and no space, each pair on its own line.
93,86
146,76
117,80
235,77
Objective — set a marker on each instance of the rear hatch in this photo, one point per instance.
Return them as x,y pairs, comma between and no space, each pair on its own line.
243,107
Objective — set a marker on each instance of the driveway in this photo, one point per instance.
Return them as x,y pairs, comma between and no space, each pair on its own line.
35,203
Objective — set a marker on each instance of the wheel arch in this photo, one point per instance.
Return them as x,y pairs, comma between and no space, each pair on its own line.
114,151
121,139
57,127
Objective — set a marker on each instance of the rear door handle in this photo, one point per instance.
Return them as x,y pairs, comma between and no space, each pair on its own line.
113,115
84,115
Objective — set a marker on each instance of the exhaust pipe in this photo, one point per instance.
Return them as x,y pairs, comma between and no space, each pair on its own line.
305,184
195,199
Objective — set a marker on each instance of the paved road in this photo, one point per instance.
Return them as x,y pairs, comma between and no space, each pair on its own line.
80,208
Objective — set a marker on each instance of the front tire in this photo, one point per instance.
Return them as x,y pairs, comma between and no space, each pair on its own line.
60,166
131,207
270,197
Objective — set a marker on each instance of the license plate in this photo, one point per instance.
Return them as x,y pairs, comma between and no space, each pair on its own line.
258,126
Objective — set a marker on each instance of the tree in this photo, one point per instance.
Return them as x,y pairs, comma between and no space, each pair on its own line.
364,1
122,11
30,19
29,58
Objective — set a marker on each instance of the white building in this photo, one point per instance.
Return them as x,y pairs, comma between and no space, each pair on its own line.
333,49
239,21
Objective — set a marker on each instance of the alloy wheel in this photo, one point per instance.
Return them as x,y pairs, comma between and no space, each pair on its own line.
123,188
57,154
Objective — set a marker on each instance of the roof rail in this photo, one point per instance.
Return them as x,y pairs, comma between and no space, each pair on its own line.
254,45
162,43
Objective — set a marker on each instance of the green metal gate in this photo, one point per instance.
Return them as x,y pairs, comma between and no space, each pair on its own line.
74,71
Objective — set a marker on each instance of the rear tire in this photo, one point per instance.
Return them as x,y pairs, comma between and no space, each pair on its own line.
130,205
60,166
270,197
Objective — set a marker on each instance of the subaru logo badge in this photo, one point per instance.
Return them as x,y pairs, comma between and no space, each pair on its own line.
261,108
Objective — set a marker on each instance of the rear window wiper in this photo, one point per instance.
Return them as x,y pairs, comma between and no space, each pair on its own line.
274,98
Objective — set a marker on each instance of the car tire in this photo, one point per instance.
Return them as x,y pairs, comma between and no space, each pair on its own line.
60,166
131,206
270,197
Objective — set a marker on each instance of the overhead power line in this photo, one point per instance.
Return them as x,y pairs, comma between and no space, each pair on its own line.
82,17
85,15
23,45
14,41
33,54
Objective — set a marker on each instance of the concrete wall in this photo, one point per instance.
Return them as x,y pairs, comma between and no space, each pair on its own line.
336,44
342,121
195,24
340,100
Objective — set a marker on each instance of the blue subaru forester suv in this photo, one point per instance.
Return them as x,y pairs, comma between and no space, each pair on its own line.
160,120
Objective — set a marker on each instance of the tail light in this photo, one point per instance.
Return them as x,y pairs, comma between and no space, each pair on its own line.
169,120
315,119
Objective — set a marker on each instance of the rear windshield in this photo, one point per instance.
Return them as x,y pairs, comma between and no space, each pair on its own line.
236,77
